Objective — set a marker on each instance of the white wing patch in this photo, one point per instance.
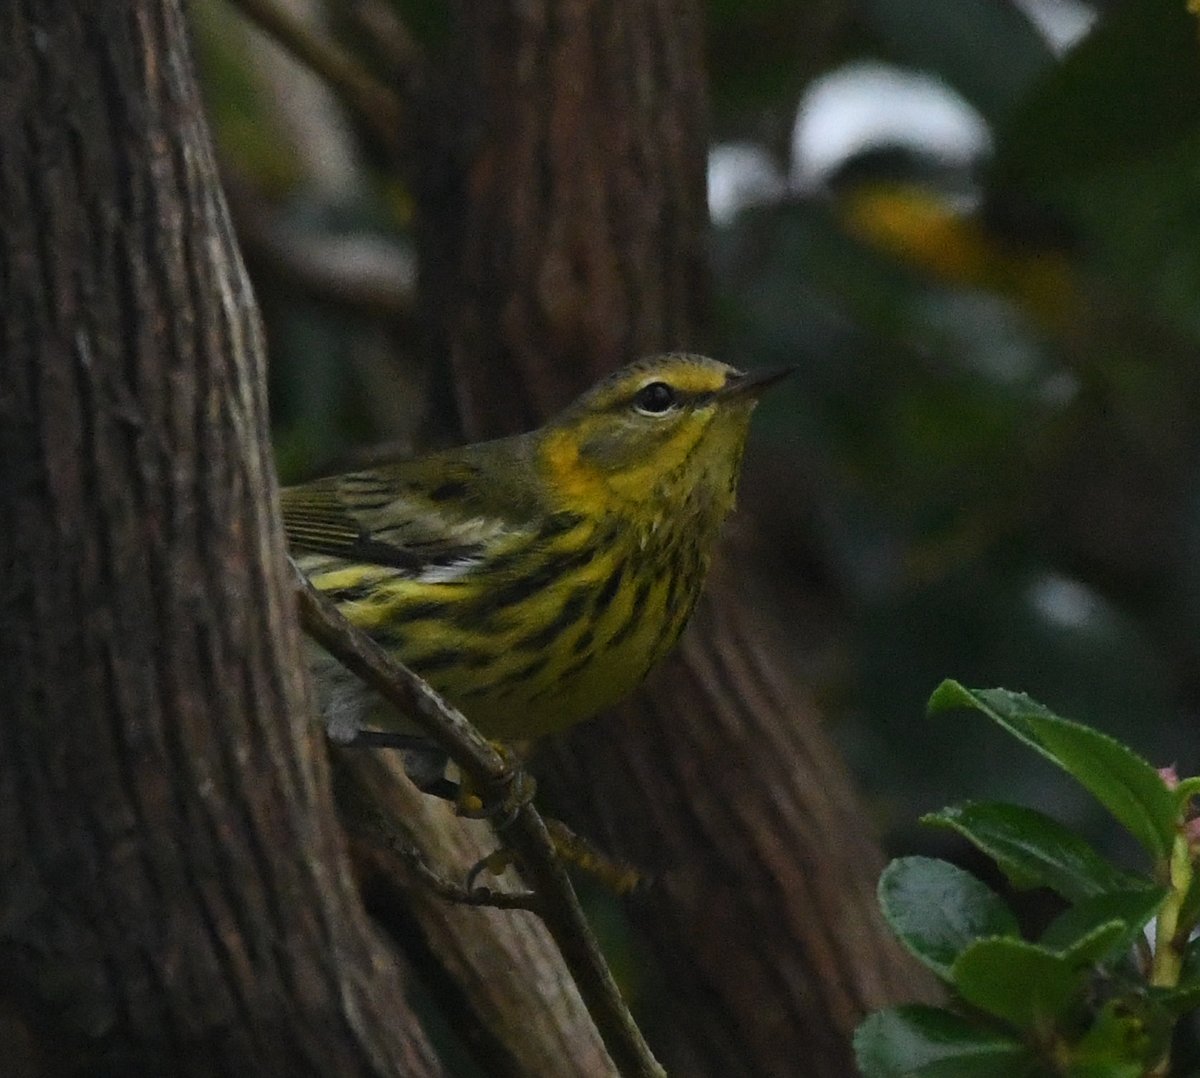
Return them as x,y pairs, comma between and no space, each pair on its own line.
477,529
418,528
408,523
445,574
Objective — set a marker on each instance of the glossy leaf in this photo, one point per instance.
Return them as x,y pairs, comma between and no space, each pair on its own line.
1075,931
1012,710
1023,983
1190,974
1179,1000
1189,912
1105,1068
1033,849
1088,948
927,1042
1129,787
937,910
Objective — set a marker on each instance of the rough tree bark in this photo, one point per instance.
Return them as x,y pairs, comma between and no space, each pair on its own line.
564,220
561,199
174,893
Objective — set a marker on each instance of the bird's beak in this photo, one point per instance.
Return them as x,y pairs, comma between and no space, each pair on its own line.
752,384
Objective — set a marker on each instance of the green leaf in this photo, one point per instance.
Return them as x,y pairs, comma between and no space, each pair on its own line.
1014,711
927,1042
1023,983
1129,787
1186,994
1077,932
1129,1033
1034,850
1088,949
937,910
1105,1068
1186,790
1117,777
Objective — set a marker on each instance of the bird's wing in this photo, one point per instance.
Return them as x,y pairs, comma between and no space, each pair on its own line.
431,518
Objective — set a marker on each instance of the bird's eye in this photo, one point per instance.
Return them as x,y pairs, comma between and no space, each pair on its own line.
654,399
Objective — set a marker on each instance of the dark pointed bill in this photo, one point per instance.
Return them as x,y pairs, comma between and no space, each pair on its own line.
753,383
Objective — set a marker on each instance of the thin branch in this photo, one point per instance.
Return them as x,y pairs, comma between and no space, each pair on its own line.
374,103
380,28
373,825
526,835
453,892
401,688
364,271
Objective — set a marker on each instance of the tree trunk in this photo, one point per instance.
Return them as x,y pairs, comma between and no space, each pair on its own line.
174,893
562,199
564,222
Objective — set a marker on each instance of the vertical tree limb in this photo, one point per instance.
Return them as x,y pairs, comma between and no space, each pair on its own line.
378,106
174,893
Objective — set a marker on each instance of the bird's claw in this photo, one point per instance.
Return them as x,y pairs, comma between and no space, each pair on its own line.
495,863
618,876
514,790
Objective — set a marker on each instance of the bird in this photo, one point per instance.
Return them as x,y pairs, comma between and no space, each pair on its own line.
534,580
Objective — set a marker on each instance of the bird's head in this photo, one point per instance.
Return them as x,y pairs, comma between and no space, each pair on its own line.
667,431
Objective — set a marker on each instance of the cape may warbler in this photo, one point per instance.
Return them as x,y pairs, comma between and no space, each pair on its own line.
534,580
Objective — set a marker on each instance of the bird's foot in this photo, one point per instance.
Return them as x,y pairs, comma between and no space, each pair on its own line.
573,850
616,875
510,792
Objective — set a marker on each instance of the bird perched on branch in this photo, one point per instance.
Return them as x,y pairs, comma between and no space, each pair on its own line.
534,580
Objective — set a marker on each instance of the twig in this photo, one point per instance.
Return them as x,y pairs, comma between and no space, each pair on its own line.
453,892
376,104
371,824
380,28
527,835
363,271
401,688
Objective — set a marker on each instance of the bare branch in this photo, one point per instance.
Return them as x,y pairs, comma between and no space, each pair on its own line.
527,834
373,102
383,31
454,892
512,985
401,688
363,271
